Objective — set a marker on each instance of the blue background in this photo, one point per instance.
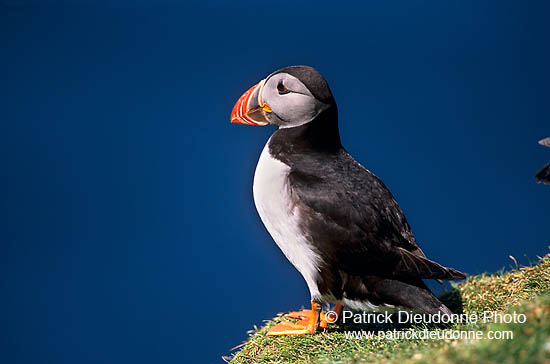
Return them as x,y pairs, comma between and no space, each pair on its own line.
128,230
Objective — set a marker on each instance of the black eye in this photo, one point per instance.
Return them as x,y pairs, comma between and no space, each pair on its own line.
282,88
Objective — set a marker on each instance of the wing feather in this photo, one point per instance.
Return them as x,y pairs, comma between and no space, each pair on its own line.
357,223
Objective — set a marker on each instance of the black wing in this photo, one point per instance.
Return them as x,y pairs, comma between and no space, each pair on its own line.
356,223
543,174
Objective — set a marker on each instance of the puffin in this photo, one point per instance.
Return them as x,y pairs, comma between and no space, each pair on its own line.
333,219
543,174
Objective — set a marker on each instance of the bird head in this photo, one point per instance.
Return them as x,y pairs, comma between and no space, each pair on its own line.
289,97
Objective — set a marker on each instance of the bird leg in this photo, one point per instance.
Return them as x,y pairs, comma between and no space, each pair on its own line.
337,316
310,321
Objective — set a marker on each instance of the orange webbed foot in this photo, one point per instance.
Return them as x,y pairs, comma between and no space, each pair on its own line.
305,315
310,321
289,328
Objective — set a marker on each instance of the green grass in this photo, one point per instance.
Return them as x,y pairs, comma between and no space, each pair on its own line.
525,290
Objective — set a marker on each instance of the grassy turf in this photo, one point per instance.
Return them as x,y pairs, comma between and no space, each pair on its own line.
525,290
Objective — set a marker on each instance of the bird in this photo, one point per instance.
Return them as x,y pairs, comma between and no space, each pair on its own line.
333,219
543,174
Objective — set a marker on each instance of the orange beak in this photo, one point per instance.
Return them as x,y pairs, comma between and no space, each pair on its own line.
250,109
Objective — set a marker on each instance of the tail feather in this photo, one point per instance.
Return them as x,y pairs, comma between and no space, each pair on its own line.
413,294
415,265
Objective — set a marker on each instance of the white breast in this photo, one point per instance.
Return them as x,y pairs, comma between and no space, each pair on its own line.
280,216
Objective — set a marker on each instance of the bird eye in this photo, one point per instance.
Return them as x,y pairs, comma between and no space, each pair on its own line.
282,88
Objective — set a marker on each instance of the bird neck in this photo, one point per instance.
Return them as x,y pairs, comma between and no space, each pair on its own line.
320,135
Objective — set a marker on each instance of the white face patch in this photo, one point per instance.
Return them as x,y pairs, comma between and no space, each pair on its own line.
296,107
280,217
